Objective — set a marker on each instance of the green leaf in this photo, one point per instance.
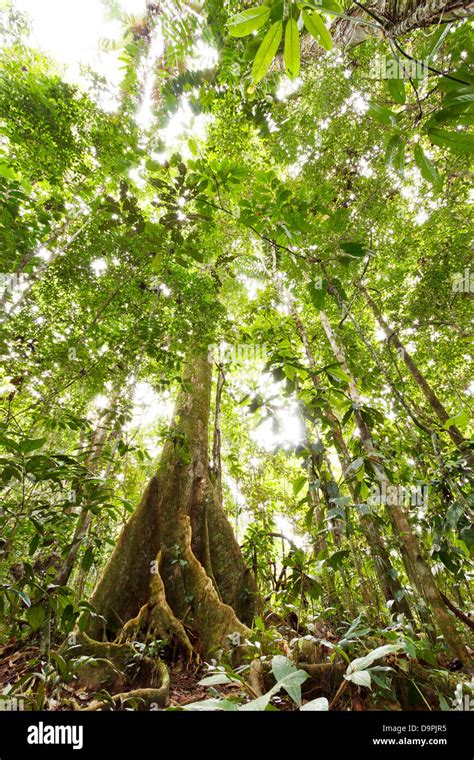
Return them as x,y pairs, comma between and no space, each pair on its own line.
288,677
24,597
7,172
360,677
87,559
383,115
316,705
291,52
331,5
215,680
337,558
317,291
462,95
248,21
426,166
362,663
267,51
211,704
299,484
317,28
460,420
355,250
31,444
397,89
395,154
458,142
36,616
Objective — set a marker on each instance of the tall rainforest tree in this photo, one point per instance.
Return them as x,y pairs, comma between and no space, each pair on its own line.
235,386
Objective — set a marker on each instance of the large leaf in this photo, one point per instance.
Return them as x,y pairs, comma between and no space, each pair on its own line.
317,292
289,677
317,28
291,51
396,88
353,249
362,663
248,21
426,166
211,704
215,680
383,115
31,444
267,51
36,616
458,142
316,705
360,677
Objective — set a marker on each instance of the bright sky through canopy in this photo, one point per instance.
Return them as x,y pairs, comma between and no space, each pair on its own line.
69,32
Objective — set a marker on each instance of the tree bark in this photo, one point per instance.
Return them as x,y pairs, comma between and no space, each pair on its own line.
180,520
394,19
429,394
416,566
389,584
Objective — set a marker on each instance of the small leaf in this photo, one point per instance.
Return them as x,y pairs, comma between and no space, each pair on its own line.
267,51
395,154
291,51
317,28
248,21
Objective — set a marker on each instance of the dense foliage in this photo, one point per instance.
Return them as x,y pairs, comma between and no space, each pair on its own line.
297,208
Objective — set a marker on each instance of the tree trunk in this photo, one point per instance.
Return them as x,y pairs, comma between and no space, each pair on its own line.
179,539
416,566
389,584
392,18
417,375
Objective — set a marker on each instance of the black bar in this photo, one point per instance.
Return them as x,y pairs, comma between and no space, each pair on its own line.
272,735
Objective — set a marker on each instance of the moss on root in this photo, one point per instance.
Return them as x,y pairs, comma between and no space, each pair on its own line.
119,670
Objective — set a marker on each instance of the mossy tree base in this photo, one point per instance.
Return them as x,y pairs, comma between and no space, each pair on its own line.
177,574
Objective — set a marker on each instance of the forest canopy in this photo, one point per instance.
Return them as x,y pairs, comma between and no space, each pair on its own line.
235,390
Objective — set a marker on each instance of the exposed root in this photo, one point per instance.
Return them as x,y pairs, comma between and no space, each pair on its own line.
156,619
147,698
257,677
212,620
119,670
